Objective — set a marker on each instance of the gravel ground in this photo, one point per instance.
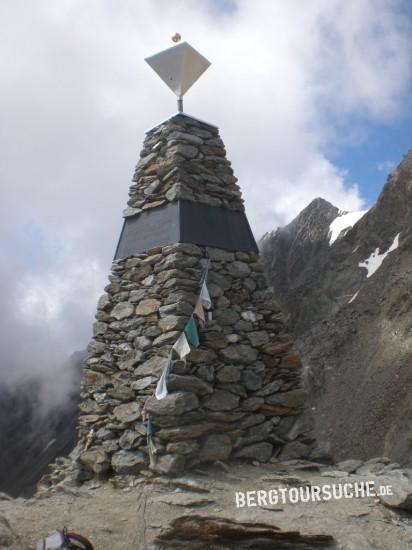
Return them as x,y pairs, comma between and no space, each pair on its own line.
131,517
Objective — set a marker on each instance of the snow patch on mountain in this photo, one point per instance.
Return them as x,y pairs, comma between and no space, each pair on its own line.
353,297
373,263
343,222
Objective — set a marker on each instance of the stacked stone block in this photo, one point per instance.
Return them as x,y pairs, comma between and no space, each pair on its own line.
238,394
183,159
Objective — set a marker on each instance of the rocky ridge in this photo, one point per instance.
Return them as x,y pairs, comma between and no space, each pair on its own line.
349,306
292,256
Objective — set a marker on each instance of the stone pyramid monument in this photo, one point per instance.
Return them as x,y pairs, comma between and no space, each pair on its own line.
191,361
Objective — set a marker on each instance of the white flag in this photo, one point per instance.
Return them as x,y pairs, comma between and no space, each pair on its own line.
161,388
205,297
181,346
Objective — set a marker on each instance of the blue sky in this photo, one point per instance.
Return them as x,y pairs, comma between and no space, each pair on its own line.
366,148
382,148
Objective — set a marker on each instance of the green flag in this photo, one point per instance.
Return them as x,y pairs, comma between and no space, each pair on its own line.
191,332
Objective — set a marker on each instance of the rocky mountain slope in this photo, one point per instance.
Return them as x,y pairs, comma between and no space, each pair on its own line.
31,434
349,301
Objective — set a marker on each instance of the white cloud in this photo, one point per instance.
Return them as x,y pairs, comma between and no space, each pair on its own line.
48,296
385,166
76,98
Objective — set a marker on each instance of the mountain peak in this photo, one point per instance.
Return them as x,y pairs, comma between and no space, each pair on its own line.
317,203
314,221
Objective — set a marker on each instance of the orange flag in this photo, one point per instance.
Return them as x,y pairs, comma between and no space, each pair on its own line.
200,313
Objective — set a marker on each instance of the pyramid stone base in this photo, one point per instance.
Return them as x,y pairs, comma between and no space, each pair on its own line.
237,395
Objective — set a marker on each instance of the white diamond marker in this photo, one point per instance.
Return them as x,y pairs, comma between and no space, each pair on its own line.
179,67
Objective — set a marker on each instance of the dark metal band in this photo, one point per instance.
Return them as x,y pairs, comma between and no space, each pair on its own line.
185,222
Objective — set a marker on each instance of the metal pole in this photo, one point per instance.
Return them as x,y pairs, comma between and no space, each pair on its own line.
180,104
